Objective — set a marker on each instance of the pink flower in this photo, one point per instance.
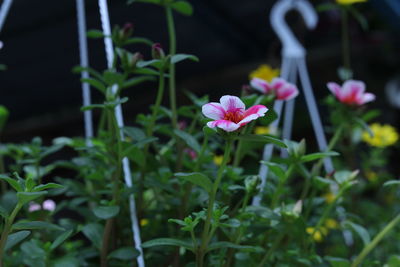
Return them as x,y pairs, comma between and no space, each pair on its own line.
351,93
192,154
34,207
49,205
282,89
231,114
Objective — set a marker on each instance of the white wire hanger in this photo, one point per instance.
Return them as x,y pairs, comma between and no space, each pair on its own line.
293,65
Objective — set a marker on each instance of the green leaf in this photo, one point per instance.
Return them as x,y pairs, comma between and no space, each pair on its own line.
15,238
138,40
4,114
124,253
46,186
137,80
12,182
157,2
189,140
359,17
32,225
168,242
225,244
135,154
146,71
60,239
197,179
106,212
93,72
25,197
275,168
262,138
95,83
157,63
94,232
338,262
360,230
95,34
183,7
319,155
392,182
93,106
364,126
3,212
180,57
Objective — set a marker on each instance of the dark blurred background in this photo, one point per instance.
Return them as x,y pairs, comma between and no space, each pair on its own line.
231,38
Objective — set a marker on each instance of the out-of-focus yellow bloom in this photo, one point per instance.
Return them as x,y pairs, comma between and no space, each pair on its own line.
371,176
319,234
261,130
264,72
331,223
329,197
349,2
218,159
384,135
144,222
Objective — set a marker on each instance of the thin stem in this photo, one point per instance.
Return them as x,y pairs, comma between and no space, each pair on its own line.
213,193
274,246
280,187
345,40
367,249
7,229
172,52
156,108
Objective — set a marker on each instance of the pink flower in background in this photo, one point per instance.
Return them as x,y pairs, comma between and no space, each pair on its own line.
282,89
191,153
231,114
49,205
34,207
351,93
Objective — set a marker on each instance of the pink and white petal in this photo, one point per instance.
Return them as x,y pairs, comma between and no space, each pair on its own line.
367,97
225,125
287,93
278,83
257,109
353,88
213,111
334,88
232,103
260,85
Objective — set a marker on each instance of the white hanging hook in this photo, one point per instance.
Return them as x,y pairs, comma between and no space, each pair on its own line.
291,46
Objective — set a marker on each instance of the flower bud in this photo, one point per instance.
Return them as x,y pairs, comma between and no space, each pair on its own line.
157,52
251,183
126,31
134,59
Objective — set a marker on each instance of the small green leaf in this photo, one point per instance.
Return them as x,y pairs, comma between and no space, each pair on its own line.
60,239
95,83
106,212
275,168
46,186
95,34
180,57
12,182
4,114
32,225
94,232
138,40
25,197
93,106
124,253
93,72
364,126
225,244
168,242
15,238
360,230
197,179
262,138
392,182
157,63
3,212
137,80
183,7
337,262
320,155
189,140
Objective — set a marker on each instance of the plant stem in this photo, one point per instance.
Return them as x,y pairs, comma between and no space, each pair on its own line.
345,40
172,52
367,249
7,229
157,104
213,193
274,246
280,187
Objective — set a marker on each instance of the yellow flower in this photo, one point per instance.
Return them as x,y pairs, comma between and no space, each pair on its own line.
383,135
261,130
319,234
331,223
329,197
218,159
264,72
371,176
349,2
144,222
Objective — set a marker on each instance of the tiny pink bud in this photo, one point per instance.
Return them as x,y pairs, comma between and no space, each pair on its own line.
126,31
49,205
157,52
34,207
182,125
